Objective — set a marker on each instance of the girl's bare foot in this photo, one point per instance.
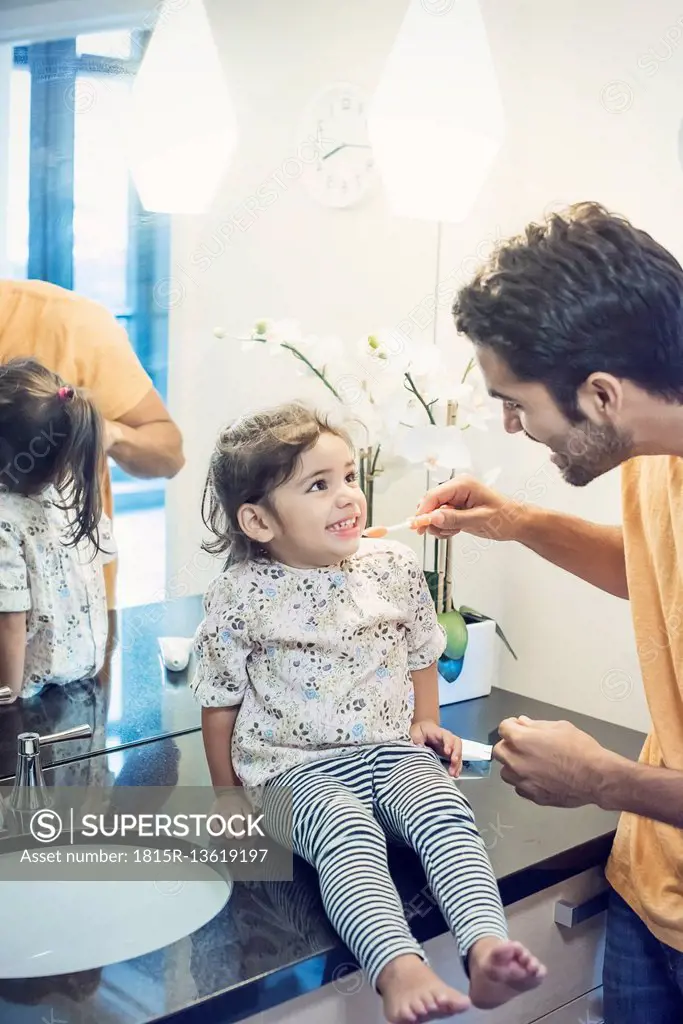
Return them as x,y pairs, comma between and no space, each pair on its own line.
412,993
499,970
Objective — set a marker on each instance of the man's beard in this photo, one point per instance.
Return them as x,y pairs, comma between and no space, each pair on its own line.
588,451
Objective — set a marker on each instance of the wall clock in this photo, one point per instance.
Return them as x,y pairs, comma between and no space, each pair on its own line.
343,171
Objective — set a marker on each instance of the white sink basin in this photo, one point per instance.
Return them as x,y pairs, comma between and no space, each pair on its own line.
58,927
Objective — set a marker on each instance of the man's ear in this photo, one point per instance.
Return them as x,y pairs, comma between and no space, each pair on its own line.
256,523
602,394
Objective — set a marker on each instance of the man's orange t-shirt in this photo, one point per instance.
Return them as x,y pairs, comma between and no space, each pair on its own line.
82,342
646,864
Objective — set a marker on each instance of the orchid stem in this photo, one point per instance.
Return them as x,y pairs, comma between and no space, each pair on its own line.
411,387
370,491
454,419
470,366
374,461
299,355
441,579
309,364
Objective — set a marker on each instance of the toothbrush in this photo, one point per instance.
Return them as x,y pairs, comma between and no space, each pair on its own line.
377,532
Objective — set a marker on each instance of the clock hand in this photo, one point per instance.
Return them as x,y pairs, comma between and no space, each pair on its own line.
346,145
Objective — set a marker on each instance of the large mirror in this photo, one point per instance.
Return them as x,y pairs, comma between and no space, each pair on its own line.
210,207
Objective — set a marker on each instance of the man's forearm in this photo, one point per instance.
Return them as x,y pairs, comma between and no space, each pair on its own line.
592,552
655,793
151,450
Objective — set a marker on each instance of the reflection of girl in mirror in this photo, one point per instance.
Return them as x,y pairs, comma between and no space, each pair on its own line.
54,539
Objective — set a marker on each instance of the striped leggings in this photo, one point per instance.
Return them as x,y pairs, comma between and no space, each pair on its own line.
343,809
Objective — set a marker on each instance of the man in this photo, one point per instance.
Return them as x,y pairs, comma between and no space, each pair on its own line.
84,344
578,329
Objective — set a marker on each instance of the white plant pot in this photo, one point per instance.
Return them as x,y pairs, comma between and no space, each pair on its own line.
479,669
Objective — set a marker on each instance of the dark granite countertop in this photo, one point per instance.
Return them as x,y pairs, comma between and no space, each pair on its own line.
272,941
134,699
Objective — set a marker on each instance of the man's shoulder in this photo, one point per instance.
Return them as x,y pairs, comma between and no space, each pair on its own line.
651,484
49,298
651,471
39,291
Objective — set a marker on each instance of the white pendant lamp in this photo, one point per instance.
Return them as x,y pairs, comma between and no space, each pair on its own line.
183,129
436,121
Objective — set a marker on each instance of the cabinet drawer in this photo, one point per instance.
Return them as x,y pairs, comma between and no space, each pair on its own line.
586,1010
573,955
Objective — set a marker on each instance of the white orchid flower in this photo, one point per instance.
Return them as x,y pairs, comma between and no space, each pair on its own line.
247,343
399,410
473,409
258,335
379,380
404,410
369,348
323,351
425,362
371,430
434,446
388,346
274,333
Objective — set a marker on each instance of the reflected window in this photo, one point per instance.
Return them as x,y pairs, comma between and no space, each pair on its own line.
74,217
105,44
101,229
18,177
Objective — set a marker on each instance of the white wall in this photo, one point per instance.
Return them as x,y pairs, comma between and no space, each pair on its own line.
592,95
340,272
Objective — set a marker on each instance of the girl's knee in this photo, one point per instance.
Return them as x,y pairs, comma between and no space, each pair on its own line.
343,815
342,829
437,803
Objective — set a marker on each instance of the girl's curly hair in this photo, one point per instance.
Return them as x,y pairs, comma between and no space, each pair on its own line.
252,457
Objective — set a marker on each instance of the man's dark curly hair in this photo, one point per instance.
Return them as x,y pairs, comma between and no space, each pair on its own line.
581,292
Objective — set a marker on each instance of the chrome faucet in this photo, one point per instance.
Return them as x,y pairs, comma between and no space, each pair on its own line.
29,792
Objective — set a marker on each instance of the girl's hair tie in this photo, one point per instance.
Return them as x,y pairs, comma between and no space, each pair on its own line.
65,393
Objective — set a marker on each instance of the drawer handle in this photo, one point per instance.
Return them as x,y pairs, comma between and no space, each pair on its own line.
568,915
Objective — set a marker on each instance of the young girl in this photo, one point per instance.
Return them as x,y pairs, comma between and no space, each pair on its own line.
317,675
53,537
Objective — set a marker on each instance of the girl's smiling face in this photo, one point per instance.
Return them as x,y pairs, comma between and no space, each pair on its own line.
317,517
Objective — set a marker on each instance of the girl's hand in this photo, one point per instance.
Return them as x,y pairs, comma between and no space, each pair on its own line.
444,742
233,804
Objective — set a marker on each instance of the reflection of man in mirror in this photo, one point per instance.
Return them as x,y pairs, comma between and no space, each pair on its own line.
83,343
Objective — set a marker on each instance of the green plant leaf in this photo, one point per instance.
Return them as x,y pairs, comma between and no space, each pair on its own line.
432,578
475,616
